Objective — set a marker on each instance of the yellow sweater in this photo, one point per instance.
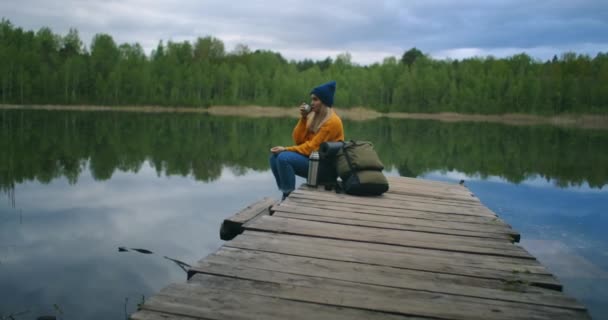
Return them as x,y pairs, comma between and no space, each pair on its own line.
307,142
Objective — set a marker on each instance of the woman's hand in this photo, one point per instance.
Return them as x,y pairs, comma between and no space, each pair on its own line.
303,111
277,149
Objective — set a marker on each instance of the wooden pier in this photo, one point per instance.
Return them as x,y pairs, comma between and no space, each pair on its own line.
425,249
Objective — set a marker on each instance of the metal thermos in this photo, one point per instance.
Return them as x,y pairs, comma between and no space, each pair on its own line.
313,169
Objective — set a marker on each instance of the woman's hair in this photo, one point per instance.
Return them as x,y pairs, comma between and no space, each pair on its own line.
316,120
325,93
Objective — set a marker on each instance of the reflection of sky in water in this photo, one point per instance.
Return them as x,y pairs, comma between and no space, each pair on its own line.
63,248
564,228
59,245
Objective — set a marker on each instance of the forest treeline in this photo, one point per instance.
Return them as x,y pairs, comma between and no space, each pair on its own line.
41,67
45,145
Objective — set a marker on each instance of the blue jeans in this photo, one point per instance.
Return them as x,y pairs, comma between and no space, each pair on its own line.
285,165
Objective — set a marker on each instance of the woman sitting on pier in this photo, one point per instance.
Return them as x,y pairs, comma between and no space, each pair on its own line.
317,125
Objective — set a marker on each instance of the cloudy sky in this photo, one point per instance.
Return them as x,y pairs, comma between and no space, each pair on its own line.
370,30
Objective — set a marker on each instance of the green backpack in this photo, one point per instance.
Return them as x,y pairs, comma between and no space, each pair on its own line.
360,169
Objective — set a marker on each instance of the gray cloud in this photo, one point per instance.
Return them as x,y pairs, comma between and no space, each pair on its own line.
369,30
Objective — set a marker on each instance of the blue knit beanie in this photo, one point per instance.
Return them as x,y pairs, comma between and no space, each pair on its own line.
325,92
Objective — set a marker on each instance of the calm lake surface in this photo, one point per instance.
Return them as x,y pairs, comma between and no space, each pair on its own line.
76,186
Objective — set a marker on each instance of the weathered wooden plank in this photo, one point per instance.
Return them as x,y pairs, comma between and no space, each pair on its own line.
425,198
382,225
233,226
487,293
379,297
414,192
153,315
429,220
421,181
395,212
388,198
430,194
465,259
414,200
451,188
398,237
418,192
229,267
380,202
431,198
197,301
399,222
418,303
441,187
425,183
393,237
489,270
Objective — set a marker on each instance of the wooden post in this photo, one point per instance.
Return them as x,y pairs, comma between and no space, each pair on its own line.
233,226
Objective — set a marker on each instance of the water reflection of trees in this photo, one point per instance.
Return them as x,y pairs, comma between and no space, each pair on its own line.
41,146
569,156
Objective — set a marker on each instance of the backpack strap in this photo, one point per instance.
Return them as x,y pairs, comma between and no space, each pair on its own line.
348,160
353,172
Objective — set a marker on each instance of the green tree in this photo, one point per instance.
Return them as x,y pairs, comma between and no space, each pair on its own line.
104,60
409,57
44,68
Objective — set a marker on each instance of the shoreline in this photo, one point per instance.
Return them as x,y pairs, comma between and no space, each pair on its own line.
584,121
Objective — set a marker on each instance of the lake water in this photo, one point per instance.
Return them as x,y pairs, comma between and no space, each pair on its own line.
76,186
